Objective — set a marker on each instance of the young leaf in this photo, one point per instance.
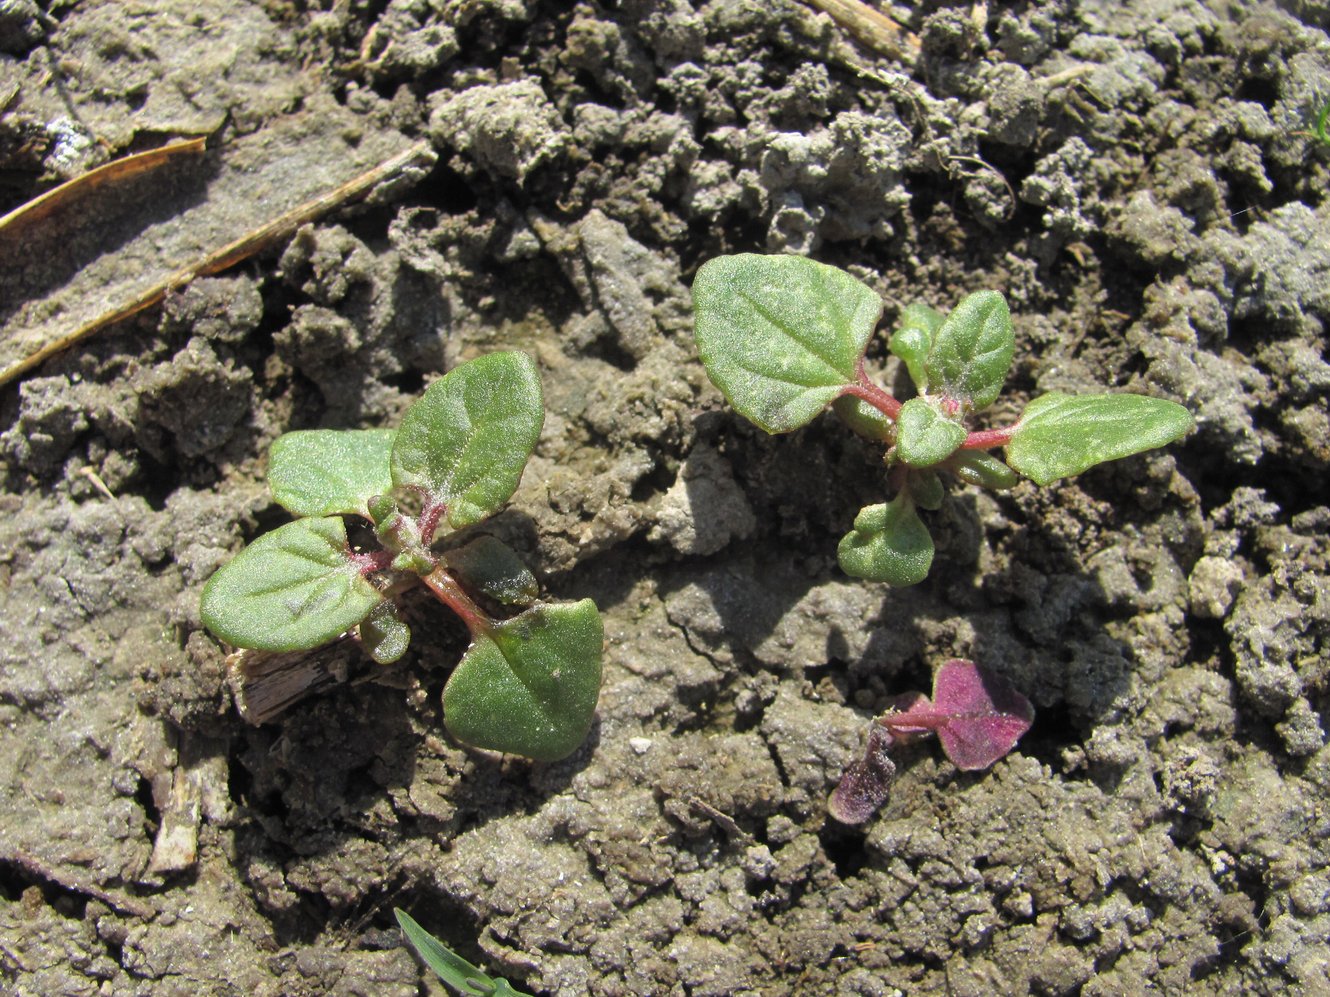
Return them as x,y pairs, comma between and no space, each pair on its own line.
492,568
529,686
324,472
976,714
861,417
467,439
1061,435
290,590
889,543
450,967
384,634
912,341
975,467
972,350
923,436
926,489
781,335
864,786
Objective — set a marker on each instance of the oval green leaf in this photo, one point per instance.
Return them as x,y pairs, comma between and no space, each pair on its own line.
491,567
384,634
924,436
926,489
780,336
889,543
1061,435
976,467
324,472
914,338
529,686
467,439
290,590
861,417
972,350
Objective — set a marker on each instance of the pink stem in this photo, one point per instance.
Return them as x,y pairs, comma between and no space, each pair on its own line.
371,561
986,439
450,593
869,392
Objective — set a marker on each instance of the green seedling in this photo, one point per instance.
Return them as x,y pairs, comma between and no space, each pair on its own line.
528,683
450,967
783,338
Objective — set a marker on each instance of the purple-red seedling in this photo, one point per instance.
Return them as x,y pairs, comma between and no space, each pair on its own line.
975,713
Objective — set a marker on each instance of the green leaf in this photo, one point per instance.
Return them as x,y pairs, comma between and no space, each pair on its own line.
975,467
323,472
972,350
1060,435
467,439
529,686
384,634
889,543
450,967
290,590
926,489
781,335
861,417
924,436
914,338
493,568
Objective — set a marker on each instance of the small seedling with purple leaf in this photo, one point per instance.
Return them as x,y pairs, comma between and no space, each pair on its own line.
975,713
784,337
528,683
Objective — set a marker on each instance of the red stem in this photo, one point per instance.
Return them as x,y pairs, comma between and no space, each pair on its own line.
869,392
429,521
372,561
451,594
986,439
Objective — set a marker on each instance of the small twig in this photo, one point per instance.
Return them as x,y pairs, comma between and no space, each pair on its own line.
97,481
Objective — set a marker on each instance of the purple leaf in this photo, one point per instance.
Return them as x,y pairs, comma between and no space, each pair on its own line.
863,787
977,715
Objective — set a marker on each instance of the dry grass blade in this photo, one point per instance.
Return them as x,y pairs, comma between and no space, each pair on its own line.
108,173
871,27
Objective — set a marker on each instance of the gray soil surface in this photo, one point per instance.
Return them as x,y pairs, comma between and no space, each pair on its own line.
1138,178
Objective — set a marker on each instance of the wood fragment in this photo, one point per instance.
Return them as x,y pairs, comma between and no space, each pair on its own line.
871,27
108,173
227,255
265,684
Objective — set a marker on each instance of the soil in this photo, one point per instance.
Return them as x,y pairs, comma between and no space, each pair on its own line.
1140,179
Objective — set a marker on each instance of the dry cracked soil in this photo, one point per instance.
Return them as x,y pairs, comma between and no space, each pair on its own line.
1141,179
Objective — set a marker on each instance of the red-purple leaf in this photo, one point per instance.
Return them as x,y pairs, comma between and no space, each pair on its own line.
865,784
977,715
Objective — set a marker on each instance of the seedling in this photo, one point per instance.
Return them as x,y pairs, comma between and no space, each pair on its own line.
783,337
528,683
976,715
450,967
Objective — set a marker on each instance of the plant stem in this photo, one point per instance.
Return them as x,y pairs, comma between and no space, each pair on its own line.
446,588
865,390
372,561
986,439
429,521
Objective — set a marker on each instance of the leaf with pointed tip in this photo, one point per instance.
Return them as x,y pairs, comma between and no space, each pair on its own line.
976,714
780,336
924,436
467,439
975,467
323,472
450,967
1061,435
865,785
889,543
492,568
290,590
529,684
914,338
972,350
